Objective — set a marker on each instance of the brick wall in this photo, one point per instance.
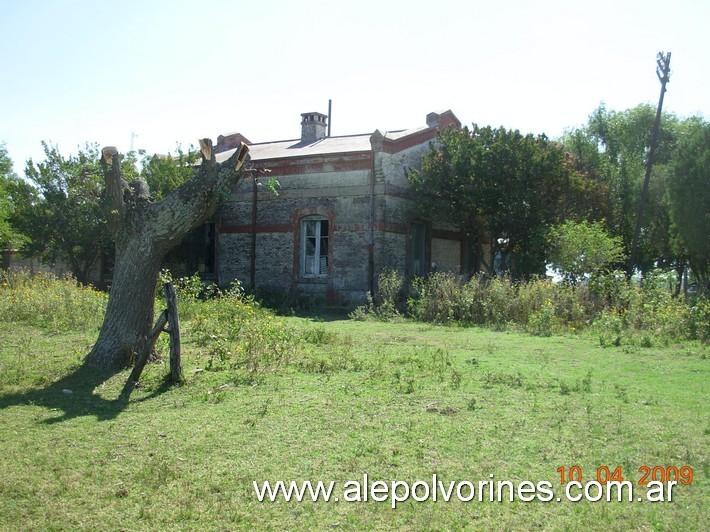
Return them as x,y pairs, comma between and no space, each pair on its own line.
366,198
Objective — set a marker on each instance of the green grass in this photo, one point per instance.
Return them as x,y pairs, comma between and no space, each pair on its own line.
398,401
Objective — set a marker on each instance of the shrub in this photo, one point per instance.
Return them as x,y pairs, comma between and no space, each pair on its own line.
240,336
541,322
388,301
437,299
618,310
43,300
609,326
699,321
582,249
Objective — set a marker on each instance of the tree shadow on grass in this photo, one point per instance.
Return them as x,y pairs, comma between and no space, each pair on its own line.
74,396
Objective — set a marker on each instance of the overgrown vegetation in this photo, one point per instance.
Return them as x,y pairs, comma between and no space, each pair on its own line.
505,188
611,307
43,300
268,398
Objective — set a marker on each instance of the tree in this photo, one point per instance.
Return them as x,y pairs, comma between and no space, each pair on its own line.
59,209
143,232
164,173
7,176
579,249
689,198
615,150
498,184
612,148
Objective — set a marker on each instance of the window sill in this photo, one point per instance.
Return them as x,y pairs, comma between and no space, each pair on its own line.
313,279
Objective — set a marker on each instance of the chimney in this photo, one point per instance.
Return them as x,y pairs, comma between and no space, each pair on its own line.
313,127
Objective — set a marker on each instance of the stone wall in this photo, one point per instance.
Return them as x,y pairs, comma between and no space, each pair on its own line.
341,197
364,194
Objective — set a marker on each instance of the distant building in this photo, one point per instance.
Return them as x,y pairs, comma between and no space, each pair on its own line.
343,213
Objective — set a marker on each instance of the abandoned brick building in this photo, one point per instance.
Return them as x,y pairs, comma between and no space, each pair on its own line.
343,213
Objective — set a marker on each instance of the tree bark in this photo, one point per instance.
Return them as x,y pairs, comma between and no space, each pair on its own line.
142,358
144,232
174,320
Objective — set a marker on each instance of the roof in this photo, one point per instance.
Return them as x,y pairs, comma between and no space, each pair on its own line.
262,151
297,148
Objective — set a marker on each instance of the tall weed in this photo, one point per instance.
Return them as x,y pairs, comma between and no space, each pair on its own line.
618,310
43,300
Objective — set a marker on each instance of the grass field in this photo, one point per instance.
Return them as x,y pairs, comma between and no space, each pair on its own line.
395,401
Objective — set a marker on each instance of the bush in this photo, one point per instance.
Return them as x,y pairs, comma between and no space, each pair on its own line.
582,249
43,300
436,299
643,313
699,321
388,301
239,335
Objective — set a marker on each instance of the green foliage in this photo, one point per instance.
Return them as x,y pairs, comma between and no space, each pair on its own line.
580,249
59,209
46,301
237,334
230,329
389,299
611,151
618,311
164,173
61,213
689,197
7,176
699,320
498,183
541,321
186,288
609,325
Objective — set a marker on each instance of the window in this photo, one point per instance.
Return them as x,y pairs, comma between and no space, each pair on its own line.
470,254
417,250
314,247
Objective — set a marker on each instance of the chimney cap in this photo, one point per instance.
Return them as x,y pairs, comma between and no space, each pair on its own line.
314,116
313,127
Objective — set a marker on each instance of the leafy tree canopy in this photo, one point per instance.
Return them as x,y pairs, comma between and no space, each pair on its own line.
58,208
7,176
580,249
500,184
61,211
611,149
164,173
688,188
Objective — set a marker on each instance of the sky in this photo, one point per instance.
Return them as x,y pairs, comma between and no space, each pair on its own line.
156,74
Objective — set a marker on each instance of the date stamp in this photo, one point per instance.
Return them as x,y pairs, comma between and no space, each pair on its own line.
610,481
604,474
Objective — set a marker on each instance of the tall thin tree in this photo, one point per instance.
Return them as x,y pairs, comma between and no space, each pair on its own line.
663,71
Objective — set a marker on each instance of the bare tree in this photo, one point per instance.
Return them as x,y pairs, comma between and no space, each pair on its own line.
144,232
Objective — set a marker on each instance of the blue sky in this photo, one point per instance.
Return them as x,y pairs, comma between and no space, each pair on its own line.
174,71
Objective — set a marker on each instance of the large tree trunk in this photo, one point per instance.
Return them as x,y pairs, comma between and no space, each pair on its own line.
144,232
129,314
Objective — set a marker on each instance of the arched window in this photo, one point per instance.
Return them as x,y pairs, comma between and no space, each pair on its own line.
314,246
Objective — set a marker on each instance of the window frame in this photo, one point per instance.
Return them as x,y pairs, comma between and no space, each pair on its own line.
418,248
318,241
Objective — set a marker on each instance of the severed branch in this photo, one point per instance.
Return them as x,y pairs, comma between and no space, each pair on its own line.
142,358
169,315
174,331
115,187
